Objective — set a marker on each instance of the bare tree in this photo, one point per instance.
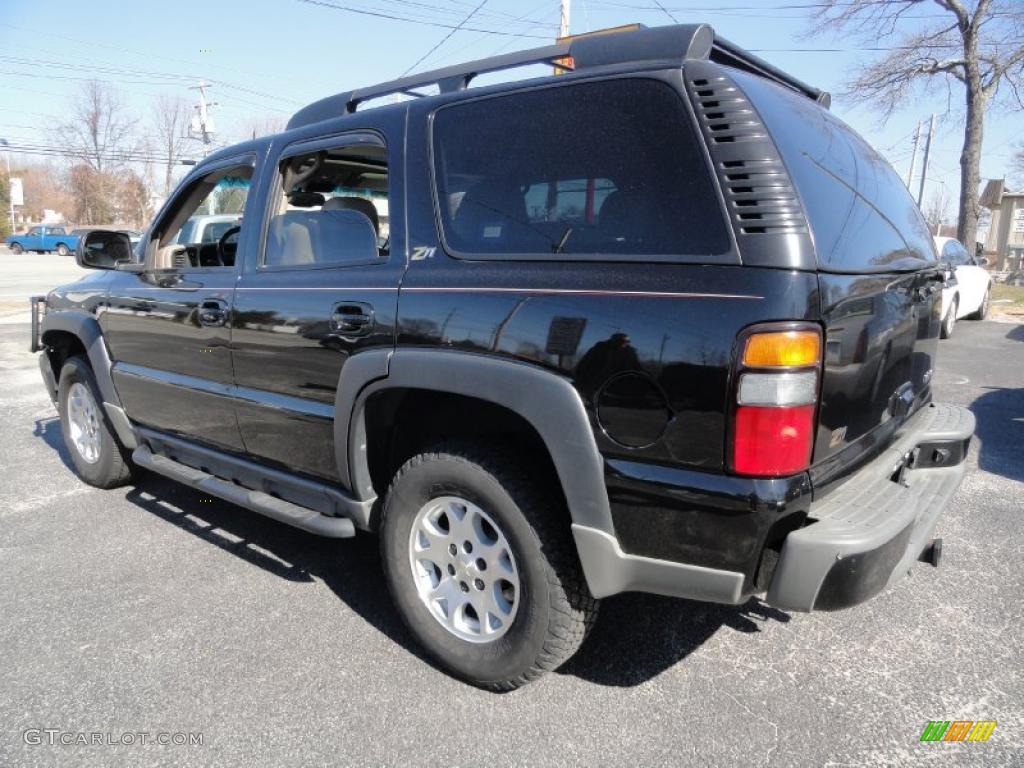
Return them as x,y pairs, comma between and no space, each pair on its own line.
133,200
99,133
90,192
44,188
263,126
99,137
1017,163
170,128
937,209
979,44
5,203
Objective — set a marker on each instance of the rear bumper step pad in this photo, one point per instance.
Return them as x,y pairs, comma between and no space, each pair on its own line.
869,532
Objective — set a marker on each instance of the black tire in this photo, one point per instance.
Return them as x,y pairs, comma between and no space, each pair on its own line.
62,250
112,467
556,609
16,249
949,321
982,312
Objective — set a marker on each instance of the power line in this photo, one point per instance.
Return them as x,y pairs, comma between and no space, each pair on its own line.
91,45
666,12
745,8
120,81
446,38
545,21
115,155
394,17
111,70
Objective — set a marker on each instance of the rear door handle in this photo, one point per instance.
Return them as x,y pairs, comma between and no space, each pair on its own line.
352,318
213,312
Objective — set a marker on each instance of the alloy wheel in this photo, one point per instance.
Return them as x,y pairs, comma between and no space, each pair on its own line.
464,569
84,422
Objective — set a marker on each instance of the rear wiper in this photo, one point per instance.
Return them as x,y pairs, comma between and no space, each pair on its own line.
561,243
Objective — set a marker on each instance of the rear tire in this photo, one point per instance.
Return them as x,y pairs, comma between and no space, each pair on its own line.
441,501
16,249
98,456
62,250
982,312
949,321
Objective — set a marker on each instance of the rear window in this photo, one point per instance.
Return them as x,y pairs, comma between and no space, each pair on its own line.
861,213
603,169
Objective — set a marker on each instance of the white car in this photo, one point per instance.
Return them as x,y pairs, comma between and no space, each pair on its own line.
969,293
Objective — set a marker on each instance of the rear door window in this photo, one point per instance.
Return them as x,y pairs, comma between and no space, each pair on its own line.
861,213
603,169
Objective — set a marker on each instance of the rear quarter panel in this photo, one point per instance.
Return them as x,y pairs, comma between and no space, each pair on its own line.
648,345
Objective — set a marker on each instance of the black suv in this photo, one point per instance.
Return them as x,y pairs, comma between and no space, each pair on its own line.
659,323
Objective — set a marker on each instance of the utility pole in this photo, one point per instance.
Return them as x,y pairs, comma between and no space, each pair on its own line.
202,125
924,164
563,21
10,190
913,155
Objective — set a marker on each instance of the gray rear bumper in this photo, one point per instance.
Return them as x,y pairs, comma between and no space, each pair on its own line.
869,531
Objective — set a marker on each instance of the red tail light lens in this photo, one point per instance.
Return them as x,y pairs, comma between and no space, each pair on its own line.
772,441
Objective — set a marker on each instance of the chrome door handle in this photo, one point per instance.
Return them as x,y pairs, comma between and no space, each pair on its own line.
213,312
352,319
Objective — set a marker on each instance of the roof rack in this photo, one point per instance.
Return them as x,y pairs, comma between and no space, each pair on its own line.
676,43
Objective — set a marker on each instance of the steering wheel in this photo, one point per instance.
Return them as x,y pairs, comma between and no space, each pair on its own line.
223,241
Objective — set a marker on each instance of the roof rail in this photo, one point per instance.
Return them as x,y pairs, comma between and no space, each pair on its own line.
675,43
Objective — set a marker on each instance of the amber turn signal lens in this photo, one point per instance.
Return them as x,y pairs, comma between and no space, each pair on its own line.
782,348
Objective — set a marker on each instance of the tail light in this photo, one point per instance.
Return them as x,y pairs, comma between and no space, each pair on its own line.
776,399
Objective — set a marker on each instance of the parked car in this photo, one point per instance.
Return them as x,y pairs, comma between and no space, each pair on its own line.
43,239
969,292
207,228
660,324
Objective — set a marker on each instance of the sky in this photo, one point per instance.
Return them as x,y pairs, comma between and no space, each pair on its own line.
267,58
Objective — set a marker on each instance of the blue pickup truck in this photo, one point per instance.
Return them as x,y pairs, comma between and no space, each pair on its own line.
43,239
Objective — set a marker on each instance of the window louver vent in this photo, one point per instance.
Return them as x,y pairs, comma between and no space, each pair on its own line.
181,260
757,188
726,113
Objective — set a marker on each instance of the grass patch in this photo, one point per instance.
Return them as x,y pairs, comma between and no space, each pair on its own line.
1013,293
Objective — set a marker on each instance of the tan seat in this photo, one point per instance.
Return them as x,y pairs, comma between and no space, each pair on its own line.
291,239
360,204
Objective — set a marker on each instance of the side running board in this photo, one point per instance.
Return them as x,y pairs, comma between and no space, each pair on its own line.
283,511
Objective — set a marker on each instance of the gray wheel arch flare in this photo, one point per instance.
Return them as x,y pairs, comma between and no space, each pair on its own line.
553,407
86,329
548,402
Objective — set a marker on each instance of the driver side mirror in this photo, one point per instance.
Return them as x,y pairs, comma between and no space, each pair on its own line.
102,249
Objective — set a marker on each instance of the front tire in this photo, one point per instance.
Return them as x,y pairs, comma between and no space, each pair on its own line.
982,312
949,321
480,563
99,458
16,249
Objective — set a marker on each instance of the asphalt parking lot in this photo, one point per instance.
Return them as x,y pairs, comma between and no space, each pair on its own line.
153,609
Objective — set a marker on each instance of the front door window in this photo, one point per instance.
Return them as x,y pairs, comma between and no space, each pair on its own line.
201,230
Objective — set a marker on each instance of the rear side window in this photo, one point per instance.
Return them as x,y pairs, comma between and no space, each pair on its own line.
607,169
862,216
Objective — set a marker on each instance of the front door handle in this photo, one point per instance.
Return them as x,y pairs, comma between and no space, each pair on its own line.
213,312
352,318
